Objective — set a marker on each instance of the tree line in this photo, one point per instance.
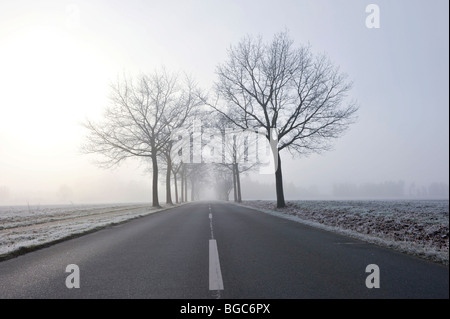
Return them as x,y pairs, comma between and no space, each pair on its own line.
267,97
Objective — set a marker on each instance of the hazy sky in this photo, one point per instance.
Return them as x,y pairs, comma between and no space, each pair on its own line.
57,59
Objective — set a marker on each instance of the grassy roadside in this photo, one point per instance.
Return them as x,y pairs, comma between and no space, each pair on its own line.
409,247
30,248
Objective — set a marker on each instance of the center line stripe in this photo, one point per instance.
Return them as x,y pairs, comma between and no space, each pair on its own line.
215,274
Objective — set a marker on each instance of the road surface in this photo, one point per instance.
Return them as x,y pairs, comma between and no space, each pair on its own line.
218,250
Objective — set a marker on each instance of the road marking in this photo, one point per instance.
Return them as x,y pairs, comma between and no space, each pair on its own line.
215,274
211,227
211,223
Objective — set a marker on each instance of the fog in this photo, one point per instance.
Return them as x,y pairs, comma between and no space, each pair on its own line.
58,58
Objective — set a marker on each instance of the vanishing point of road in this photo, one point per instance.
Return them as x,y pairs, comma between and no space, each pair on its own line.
210,250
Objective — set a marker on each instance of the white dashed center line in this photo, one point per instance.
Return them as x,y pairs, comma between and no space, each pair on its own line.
215,274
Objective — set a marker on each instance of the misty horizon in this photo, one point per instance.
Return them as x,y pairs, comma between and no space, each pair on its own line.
252,190
61,59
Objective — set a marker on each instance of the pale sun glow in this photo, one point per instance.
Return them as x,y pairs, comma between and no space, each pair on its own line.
47,76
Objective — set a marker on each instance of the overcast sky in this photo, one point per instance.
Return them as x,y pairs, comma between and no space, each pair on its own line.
57,59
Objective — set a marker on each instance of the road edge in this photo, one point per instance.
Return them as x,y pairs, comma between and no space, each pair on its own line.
27,249
416,251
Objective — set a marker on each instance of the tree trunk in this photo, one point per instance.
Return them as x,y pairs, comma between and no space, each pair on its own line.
279,185
234,182
185,185
176,187
182,183
238,184
155,181
192,189
168,188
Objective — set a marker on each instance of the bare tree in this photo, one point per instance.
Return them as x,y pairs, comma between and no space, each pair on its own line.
167,170
236,148
289,93
196,174
239,146
224,183
139,120
219,179
180,148
176,171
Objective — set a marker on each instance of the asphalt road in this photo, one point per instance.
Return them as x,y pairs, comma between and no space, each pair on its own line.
218,250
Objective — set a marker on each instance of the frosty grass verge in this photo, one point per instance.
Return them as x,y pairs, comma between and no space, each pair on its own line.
24,228
416,227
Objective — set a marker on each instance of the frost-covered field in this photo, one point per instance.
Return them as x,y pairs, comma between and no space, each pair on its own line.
26,227
416,227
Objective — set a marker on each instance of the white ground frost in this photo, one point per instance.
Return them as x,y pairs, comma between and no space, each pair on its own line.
27,227
417,227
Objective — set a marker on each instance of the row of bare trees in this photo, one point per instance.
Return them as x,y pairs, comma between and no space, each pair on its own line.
139,121
295,99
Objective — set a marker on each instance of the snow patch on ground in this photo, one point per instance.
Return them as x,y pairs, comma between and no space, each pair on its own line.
417,227
27,227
